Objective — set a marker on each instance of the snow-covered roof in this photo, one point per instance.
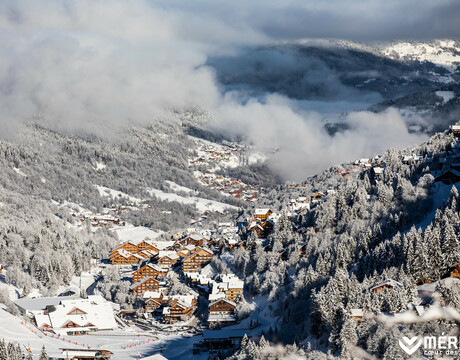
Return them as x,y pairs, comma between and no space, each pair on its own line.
195,236
357,312
261,211
126,254
136,284
225,334
184,300
152,294
166,253
389,282
197,250
226,300
95,312
39,304
233,281
157,267
162,245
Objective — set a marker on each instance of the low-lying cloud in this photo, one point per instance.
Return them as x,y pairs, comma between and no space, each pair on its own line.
303,147
98,66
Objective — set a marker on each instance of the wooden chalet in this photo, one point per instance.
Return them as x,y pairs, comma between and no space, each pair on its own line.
455,271
151,305
146,284
262,214
233,292
123,257
185,251
261,228
357,314
126,246
150,270
167,259
192,239
177,310
197,260
386,285
221,311
142,250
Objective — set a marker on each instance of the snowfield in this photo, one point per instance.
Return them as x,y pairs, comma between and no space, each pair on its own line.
201,204
438,52
104,191
136,233
446,95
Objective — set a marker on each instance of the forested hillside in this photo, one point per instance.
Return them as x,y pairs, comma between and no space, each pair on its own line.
400,226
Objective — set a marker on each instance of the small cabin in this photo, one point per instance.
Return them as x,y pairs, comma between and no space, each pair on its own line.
455,271
386,285
357,314
455,130
262,214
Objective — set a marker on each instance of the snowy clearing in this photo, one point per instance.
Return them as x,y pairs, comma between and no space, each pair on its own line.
175,187
201,204
104,191
446,95
136,233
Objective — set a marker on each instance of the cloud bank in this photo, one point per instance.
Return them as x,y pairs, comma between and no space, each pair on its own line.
304,148
94,66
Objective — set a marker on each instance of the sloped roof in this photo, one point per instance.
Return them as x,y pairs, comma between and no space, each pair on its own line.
224,299
143,280
389,282
261,211
98,311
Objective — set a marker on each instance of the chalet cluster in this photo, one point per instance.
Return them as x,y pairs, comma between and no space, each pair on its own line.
449,165
261,224
229,186
222,296
172,308
227,154
134,252
154,259
109,217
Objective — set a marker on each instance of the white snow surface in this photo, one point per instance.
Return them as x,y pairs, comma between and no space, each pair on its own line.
19,172
136,233
439,52
201,204
446,95
175,187
104,191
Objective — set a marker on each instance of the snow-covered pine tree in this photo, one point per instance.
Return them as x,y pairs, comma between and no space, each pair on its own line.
43,354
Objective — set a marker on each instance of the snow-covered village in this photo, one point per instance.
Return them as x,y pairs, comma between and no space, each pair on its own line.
240,181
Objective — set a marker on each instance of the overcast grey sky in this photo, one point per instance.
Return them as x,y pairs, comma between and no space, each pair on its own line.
94,65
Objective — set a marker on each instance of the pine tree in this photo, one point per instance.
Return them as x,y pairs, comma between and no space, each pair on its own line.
263,343
3,350
43,354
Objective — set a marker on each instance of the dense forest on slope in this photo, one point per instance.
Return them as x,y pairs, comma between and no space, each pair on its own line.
367,230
